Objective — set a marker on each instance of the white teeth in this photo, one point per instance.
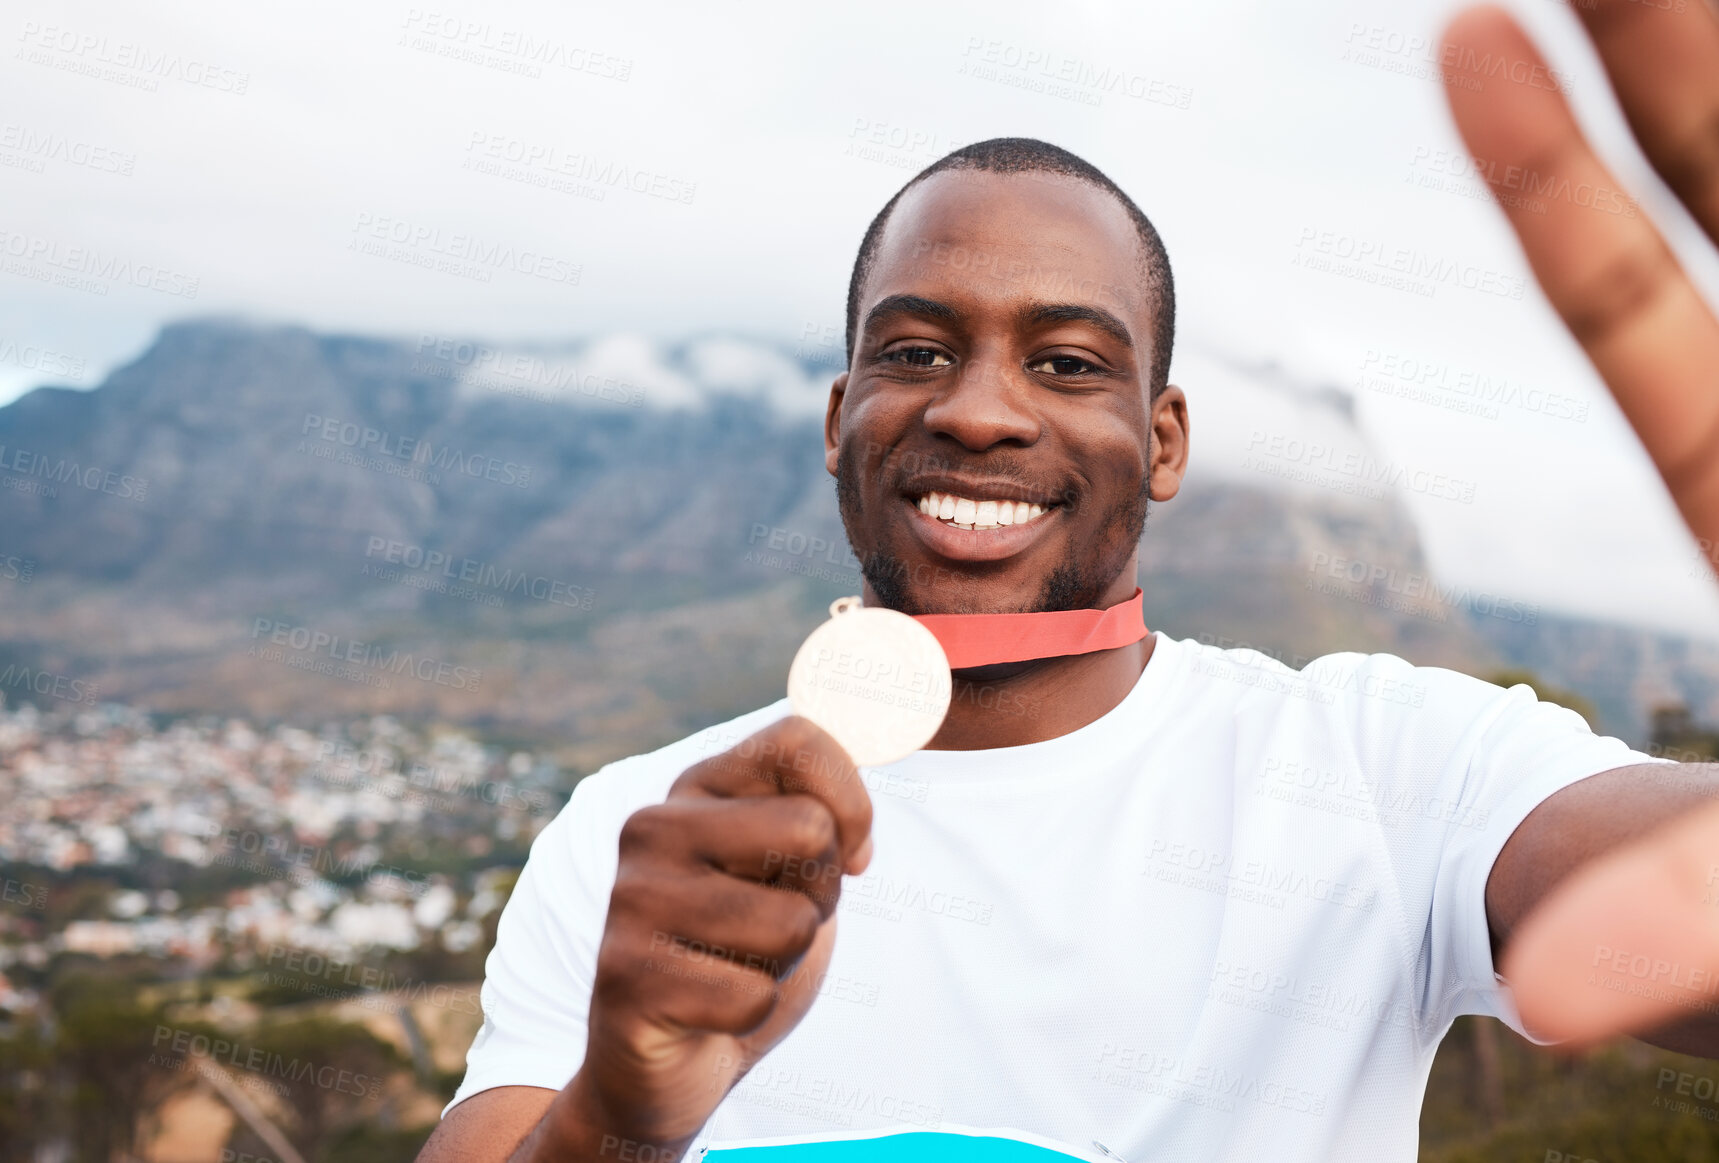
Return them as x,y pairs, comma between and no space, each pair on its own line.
965,513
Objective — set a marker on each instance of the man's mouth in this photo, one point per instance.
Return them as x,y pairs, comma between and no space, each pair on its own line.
974,513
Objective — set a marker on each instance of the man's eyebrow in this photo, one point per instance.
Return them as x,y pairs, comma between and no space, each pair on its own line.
1041,313
911,305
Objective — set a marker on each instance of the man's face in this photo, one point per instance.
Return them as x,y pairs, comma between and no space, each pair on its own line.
1002,362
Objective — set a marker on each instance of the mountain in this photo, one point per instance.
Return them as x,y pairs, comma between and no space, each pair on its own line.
608,543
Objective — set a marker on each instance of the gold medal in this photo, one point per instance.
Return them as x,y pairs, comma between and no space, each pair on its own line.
875,679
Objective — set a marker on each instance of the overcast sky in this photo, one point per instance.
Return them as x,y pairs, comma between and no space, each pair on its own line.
219,159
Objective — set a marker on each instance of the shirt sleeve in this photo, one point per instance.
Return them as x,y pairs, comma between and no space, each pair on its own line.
1462,763
536,994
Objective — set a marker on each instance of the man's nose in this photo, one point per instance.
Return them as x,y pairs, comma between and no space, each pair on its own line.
988,403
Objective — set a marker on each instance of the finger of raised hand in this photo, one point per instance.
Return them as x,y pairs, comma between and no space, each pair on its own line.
717,920
1605,269
1628,943
1664,68
788,841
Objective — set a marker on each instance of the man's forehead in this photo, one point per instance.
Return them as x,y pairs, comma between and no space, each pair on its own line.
1034,235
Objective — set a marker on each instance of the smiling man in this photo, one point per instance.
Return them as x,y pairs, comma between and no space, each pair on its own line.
1145,901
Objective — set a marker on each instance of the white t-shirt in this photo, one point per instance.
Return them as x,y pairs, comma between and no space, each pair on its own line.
1230,919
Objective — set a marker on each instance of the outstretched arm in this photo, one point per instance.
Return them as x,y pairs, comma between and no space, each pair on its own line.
1603,899
1607,959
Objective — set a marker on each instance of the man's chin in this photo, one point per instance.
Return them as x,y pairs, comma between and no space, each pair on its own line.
921,587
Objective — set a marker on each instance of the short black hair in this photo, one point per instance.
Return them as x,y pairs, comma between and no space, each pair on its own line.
1027,155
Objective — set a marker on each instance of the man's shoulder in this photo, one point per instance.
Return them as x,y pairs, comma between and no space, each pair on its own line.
1241,652
1330,680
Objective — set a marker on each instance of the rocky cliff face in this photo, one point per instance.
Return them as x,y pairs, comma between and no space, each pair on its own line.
271,452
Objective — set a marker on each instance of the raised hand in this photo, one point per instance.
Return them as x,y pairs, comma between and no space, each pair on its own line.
1649,907
720,928
1603,265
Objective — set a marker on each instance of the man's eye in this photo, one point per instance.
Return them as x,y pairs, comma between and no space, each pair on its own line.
918,356
1062,365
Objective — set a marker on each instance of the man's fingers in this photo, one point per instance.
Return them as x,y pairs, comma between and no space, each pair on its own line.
707,920
787,840
1664,67
1604,267
793,756
1628,944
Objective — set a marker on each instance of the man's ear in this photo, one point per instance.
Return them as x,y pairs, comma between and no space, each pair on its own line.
1169,444
833,423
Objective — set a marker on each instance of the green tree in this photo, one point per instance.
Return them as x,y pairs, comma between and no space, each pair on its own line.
333,1076
109,1067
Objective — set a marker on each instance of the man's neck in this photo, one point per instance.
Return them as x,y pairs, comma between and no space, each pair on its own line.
1017,703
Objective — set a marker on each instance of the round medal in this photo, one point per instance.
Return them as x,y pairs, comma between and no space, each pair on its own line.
875,679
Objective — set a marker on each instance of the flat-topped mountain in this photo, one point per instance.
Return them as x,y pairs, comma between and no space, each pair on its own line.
622,539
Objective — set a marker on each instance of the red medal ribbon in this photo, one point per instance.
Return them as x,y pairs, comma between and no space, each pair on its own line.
985,639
